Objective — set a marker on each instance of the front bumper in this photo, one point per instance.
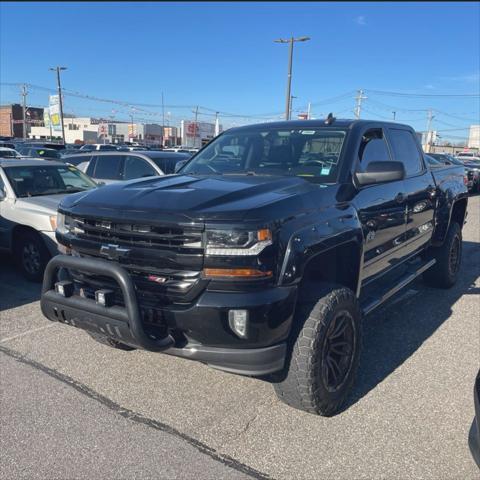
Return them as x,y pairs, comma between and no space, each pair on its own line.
203,327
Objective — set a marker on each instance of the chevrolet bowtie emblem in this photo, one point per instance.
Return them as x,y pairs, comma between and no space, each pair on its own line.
113,252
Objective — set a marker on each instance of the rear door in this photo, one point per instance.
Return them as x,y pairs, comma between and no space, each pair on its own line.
106,168
381,208
420,188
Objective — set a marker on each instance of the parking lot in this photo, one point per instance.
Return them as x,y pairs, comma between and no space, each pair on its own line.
100,412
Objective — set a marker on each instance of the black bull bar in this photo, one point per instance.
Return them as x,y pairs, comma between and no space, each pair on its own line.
122,324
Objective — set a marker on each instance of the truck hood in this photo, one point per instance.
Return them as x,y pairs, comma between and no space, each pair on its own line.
46,205
186,198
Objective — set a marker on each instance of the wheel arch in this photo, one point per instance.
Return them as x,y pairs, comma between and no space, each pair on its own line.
20,230
457,213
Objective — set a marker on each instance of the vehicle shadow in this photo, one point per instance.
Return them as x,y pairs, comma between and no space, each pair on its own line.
15,290
394,332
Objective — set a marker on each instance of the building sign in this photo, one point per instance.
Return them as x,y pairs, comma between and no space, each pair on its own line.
54,109
195,133
102,129
132,130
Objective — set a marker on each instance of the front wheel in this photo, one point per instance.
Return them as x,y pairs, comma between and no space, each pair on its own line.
448,259
32,256
324,352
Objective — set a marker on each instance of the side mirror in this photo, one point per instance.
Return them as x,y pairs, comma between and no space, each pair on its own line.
379,172
179,165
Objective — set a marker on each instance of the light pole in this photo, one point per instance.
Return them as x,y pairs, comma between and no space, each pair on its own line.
291,41
60,100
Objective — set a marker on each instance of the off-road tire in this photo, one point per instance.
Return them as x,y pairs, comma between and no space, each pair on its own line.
31,255
444,274
110,342
302,384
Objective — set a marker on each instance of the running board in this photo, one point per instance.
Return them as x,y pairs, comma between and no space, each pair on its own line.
371,303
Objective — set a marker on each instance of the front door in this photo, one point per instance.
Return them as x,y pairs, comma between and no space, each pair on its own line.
381,209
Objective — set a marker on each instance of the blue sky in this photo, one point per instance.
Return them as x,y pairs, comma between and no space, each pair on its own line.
222,56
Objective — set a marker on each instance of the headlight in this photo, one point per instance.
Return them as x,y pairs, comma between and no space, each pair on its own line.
62,224
53,222
237,242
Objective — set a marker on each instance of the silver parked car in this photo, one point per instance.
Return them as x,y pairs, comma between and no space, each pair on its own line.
30,191
110,167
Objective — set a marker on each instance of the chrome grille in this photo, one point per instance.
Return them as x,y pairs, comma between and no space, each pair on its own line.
180,239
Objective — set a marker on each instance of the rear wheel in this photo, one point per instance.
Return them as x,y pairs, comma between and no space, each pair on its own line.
448,260
324,352
110,342
32,256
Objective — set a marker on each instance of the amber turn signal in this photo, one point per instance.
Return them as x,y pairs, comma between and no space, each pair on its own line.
264,234
235,273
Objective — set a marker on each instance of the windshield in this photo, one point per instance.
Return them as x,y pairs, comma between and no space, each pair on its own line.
445,158
432,162
312,153
33,181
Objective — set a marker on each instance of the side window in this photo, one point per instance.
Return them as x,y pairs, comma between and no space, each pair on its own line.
136,167
108,167
77,159
373,148
405,150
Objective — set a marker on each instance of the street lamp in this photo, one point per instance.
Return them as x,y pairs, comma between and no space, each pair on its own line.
291,41
60,100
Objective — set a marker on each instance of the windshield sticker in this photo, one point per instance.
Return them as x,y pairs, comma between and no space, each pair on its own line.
307,132
325,171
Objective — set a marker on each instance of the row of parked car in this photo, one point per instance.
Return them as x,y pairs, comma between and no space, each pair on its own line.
468,160
34,179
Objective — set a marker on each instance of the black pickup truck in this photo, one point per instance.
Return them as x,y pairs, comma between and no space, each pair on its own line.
263,253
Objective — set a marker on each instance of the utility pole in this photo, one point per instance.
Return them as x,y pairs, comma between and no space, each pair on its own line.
394,115
290,41
217,125
309,110
195,128
24,94
60,99
429,138
358,106
291,103
163,122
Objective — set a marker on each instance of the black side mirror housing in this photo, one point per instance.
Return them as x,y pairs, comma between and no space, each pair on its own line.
379,172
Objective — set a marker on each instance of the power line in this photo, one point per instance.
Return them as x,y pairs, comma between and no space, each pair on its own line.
423,95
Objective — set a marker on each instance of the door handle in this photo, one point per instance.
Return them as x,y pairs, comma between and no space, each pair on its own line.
400,198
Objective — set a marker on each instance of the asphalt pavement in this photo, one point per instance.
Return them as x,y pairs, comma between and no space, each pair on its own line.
72,408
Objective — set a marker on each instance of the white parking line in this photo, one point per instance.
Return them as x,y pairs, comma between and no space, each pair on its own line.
28,332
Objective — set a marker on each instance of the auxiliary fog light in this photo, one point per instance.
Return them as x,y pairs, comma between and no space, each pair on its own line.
104,297
64,288
238,321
